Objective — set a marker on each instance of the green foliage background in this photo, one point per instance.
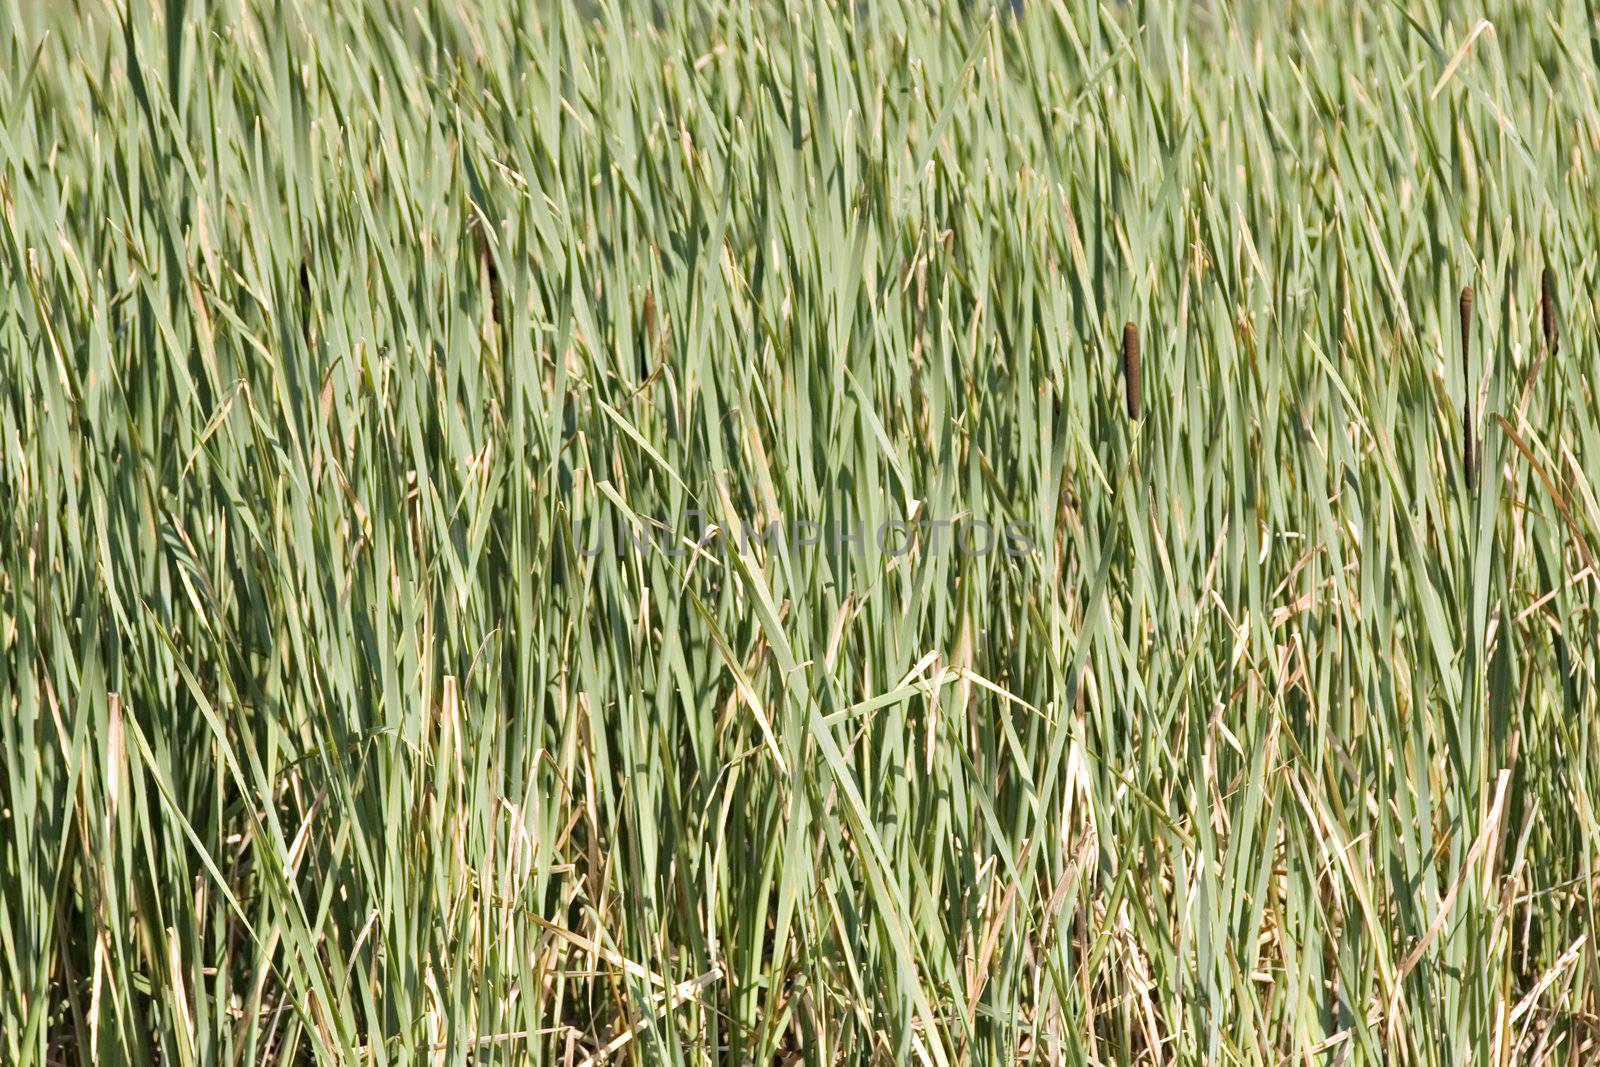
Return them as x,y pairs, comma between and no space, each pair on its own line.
325,326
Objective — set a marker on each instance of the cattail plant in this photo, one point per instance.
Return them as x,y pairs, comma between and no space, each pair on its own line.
1130,368
1469,458
652,338
1552,337
1547,312
305,302
650,318
490,273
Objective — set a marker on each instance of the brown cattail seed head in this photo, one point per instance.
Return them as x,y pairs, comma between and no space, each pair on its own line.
1547,311
496,313
1130,367
305,303
1469,459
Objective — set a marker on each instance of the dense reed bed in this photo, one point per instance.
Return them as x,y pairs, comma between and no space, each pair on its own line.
327,330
